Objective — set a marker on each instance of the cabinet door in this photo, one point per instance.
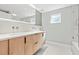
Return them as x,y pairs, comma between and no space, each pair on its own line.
29,45
33,43
4,47
37,42
16,46
40,40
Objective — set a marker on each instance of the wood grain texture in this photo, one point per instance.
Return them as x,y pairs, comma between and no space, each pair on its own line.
28,45
4,47
38,39
33,43
16,46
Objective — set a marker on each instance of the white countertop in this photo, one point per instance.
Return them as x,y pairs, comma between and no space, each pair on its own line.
17,34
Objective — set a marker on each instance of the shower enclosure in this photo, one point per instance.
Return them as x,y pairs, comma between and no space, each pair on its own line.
75,37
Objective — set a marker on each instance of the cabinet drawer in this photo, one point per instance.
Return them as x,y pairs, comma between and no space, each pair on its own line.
37,42
33,43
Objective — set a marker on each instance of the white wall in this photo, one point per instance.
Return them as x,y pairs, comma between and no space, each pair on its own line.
38,18
59,32
6,26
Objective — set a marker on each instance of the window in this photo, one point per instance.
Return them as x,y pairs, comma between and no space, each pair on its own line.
56,18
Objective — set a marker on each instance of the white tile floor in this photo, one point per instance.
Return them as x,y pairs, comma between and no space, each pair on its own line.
54,49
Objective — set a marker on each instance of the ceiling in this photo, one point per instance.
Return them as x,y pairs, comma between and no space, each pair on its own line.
48,7
24,10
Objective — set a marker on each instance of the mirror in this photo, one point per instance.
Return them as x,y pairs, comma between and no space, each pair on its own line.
30,15
21,12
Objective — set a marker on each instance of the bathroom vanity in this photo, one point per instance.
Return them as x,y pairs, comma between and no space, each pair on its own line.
22,43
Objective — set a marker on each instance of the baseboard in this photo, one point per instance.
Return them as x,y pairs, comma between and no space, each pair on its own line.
57,43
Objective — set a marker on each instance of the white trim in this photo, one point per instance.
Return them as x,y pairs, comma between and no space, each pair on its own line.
57,43
11,20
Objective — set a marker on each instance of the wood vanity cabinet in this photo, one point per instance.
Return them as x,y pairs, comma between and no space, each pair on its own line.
29,45
25,45
33,43
4,47
16,46
37,42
